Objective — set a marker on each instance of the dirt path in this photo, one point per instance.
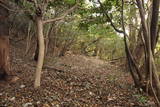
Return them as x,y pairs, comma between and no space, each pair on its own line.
80,82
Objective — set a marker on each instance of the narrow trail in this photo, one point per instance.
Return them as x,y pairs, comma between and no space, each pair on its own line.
82,82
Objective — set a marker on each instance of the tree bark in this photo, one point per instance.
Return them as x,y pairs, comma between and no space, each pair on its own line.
36,51
154,24
4,42
4,57
151,68
39,25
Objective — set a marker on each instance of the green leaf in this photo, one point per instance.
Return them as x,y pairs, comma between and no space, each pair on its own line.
70,2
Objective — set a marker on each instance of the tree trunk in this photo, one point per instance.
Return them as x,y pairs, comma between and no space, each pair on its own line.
154,24
28,39
4,57
36,51
48,36
4,42
39,25
152,76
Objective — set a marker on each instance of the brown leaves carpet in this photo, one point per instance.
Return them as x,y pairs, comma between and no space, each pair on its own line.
70,81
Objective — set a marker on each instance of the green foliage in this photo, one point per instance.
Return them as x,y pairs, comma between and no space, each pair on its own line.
70,2
100,40
141,98
96,15
57,3
90,32
25,5
67,34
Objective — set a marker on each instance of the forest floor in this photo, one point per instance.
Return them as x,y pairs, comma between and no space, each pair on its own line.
80,81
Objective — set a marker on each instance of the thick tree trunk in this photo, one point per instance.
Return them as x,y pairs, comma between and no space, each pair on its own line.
4,57
154,24
4,42
149,36
39,25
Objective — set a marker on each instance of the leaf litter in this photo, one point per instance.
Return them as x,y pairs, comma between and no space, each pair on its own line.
84,82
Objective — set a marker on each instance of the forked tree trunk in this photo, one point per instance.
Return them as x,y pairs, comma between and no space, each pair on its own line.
152,76
39,25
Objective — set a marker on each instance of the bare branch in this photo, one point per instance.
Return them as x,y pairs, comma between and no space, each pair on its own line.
6,7
13,10
61,17
35,3
110,20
